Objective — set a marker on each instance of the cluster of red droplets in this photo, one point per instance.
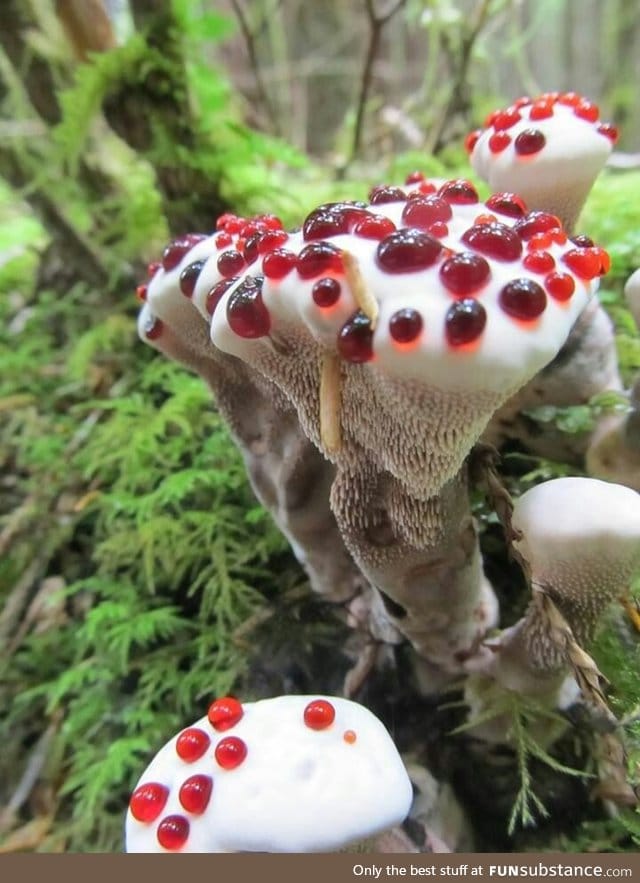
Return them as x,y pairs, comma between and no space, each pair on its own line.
531,140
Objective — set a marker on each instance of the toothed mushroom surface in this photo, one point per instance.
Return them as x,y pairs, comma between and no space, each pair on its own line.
291,774
548,149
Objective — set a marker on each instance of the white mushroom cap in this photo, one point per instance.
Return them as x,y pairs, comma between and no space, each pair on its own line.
632,294
291,774
549,150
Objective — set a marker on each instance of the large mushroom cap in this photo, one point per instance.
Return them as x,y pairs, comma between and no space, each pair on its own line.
548,149
291,774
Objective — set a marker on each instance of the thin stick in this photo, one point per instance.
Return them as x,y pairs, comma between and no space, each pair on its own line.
362,295
330,403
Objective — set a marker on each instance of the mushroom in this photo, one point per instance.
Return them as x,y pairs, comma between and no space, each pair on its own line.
288,474
290,774
547,149
397,328
632,294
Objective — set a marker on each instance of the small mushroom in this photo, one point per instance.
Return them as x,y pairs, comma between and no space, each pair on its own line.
291,774
632,294
547,149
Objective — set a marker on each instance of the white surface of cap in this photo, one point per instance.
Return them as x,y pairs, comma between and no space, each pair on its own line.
298,789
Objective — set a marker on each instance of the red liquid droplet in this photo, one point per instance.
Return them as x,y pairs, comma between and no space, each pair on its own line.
153,328
141,292
541,110
195,793
153,268
322,224
225,713
571,99
509,204
355,340
326,292
585,262
148,801
494,240
499,141
374,227
225,219
587,111
246,313
223,240
230,752
380,195
215,294
529,142
252,247
349,737
407,250
582,241
423,211
173,832
271,239
405,326
471,140
539,262
608,131
505,119
464,273
464,322
537,222
176,250
318,258
519,103
192,744
319,714
271,222
458,192
230,263
439,230
560,286
426,188
278,263
414,178
523,299
540,242
189,277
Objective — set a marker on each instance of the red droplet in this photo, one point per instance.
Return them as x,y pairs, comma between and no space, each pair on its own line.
536,222
153,268
250,229
176,250
153,327
223,240
323,223
571,99
225,219
586,110
278,263
230,263
173,832
582,241
484,219
540,242
605,260
405,326
426,188
464,273
523,299
252,247
558,236
439,230
326,291
148,801
374,227
195,793
271,222
509,204
585,262
383,193
499,141
464,322
225,713
189,277
414,178
319,714
529,142
355,340
407,250
560,285
471,140
539,262
191,744
423,211
458,192
550,97
505,119
215,294
246,313
141,292
230,752
318,258
541,110
521,102
271,239
609,131
494,240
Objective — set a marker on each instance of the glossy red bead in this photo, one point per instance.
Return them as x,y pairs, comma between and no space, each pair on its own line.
536,222
230,263
541,110
609,131
587,111
464,273
195,793
225,219
505,119
173,832
405,326
148,801
582,241
191,744
458,192
426,188
223,240
319,714
464,322
141,292
318,258
278,263
439,229
153,328
215,294
571,99
355,340
230,752
271,239
382,194
225,713
529,142
585,262
374,227
322,224
270,222
247,315
499,141
509,204
407,250
326,291
153,268
472,139
414,178
560,286
189,277
251,248
423,211
176,250
539,262
523,299
494,240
